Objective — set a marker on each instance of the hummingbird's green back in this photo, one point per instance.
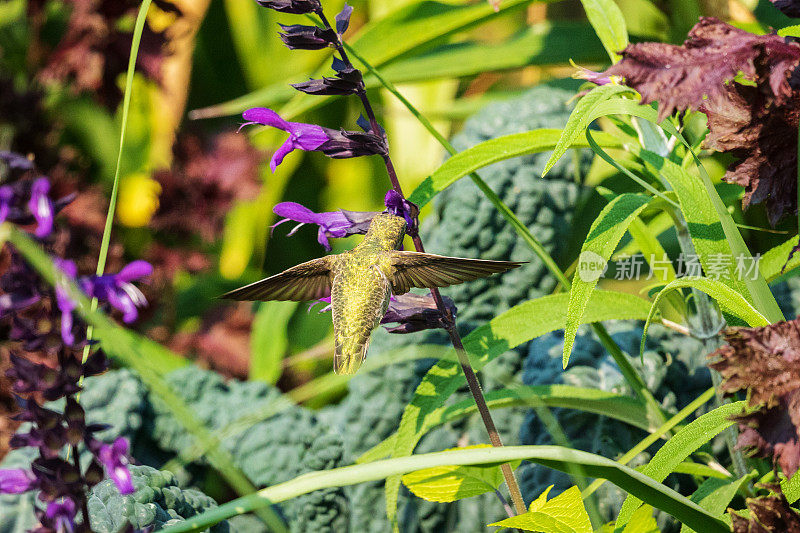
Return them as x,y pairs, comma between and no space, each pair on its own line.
360,290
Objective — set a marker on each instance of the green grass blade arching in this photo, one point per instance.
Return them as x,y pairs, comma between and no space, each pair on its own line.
554,457
604,236
678,448
714,495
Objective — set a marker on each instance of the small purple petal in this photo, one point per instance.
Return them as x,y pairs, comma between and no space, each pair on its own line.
62,513
16,481
343,19
115,460
326,300
296,212
41,207
277,158
6,196
15,161
135,270
265,117
308,136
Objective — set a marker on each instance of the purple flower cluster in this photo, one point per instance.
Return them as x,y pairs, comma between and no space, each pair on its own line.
62,485
34,311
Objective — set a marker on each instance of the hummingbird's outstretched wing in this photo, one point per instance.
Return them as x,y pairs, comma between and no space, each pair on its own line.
415,269
307,281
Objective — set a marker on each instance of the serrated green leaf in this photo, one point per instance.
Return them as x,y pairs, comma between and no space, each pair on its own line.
563,514
269,340
604,235
492,151
580,119
679,447
556,457
729,301
609,24
790,31
453,482
775,259
519,324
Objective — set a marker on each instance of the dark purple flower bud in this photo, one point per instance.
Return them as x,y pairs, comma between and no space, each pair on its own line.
310,137
343,144
42,207
415,312
114,458
300,37
16,481
117,289
343,19
347,81
61,515
298,7
6,196
331,224
790,8
400,207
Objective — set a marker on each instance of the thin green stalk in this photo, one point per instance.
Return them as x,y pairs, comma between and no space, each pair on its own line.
668,426
629,372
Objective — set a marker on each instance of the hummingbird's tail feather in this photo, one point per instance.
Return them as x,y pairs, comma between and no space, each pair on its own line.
349,354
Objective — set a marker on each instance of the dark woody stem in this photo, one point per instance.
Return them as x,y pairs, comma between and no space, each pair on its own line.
448,318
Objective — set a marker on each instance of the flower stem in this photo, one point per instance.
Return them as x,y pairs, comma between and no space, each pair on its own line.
84,498
450,324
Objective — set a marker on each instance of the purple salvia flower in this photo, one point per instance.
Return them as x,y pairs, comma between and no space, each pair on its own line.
343,19
41,207
331,224
61,515
414,312
301,37
117,289
114,458
6,196
298,7
347,81
400,207
333,143
16,481
302,136
598,78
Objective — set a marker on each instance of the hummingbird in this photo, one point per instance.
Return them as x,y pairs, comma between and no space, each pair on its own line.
361,281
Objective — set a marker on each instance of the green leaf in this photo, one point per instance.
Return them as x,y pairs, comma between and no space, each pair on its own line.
617,406
607,20
773,261
757,288
580,118
790,31
729,301
714,495
604,236
563,514
269,340
556,457
642,521
674,451
519,324
492,151
452,482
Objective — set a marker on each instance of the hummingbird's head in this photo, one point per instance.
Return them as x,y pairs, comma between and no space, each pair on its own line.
388,230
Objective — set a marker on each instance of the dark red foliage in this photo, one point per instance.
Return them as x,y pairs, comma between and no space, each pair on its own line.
768,514
766,363
203,184
95,49
744,84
